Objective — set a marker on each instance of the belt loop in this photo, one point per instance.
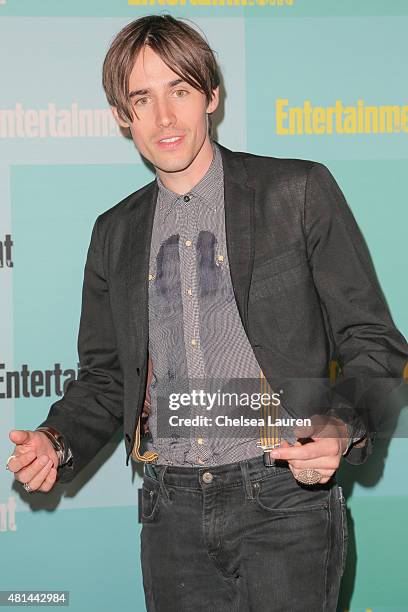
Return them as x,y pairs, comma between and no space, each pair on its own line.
161,471
246,479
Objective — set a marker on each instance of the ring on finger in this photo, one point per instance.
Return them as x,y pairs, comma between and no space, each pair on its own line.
8,460
309,476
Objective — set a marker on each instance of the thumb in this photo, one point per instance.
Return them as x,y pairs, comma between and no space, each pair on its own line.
20,436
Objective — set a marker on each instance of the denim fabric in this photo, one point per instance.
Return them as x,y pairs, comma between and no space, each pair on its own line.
240,537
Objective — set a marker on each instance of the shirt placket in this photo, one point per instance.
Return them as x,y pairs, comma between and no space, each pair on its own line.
191,318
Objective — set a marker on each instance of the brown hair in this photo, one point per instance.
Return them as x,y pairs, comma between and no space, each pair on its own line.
180,47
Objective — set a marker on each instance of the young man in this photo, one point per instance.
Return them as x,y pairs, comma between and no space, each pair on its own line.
226,266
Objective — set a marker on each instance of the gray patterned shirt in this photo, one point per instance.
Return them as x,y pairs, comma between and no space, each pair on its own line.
195,330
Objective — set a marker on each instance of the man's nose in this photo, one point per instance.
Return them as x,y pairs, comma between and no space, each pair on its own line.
165,115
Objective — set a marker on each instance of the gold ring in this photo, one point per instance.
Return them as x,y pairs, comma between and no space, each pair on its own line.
309,476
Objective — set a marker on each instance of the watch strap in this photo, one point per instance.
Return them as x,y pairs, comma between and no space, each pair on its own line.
57,440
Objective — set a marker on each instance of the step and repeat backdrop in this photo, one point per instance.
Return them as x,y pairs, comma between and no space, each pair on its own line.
313,79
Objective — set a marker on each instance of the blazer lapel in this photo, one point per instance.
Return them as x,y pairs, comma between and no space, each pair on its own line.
239,200
139,238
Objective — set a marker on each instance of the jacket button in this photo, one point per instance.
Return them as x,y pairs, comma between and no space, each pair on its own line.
138,371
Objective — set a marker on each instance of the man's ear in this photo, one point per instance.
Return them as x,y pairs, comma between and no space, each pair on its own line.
214,100
119,121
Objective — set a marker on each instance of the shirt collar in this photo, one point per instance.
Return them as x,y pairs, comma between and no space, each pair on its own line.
204,191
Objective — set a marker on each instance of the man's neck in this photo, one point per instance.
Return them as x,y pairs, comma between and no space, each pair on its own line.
183,181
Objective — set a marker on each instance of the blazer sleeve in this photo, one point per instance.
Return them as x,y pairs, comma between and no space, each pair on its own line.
91,409
369,349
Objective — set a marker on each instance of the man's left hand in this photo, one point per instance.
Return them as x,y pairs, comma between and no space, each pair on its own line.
328,439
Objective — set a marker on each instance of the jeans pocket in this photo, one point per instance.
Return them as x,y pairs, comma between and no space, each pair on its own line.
283,494
150,499
344,528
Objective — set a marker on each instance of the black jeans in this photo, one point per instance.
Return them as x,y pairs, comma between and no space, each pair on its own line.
240,537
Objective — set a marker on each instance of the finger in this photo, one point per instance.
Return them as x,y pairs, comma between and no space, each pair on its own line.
28,473
285,444
325,471
18,461
311,450
324,463
49,481
325,475
36,482
19,436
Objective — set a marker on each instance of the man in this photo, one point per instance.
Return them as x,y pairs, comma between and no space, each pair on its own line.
226,266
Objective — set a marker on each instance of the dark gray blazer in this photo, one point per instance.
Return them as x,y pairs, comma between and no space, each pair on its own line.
304,285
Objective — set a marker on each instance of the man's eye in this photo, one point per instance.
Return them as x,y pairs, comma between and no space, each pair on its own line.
181,91
141,102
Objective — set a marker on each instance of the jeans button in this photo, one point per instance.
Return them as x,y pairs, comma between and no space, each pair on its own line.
207,477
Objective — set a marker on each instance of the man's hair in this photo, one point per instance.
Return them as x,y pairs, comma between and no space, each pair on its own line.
180,47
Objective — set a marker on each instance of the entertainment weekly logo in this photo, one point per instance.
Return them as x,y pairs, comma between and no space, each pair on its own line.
57,122
339,118
6,255
28,383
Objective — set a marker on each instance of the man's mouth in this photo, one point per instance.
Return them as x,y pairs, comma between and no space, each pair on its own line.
170,142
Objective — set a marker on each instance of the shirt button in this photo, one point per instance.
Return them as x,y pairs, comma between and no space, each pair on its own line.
188,243
220,258
194,342
189,291
151,276
207,477
200,441
186,198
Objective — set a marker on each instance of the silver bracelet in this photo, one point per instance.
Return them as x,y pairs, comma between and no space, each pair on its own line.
56,440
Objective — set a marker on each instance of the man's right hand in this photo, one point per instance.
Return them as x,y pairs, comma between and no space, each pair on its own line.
34,460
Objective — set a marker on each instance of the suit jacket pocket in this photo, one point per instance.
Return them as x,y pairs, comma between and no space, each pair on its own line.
279,263
279,275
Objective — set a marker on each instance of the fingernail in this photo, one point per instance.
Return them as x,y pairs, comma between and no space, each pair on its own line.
275,453
43,460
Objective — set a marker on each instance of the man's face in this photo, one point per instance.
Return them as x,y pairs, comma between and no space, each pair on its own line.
167,107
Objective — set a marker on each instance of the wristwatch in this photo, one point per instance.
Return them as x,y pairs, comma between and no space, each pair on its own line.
57,440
